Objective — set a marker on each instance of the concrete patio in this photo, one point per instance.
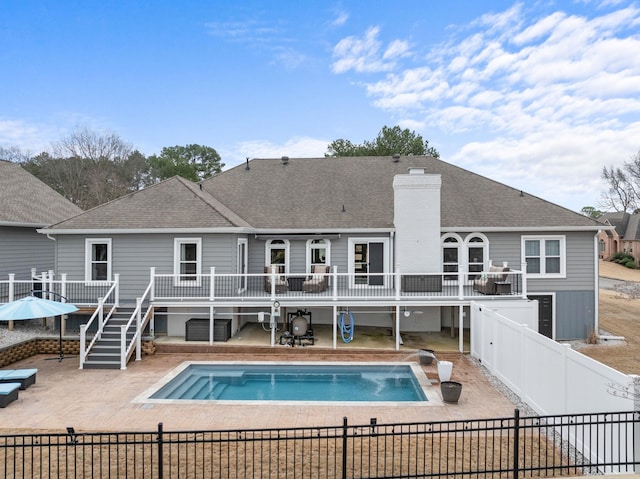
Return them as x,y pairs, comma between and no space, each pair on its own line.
102,400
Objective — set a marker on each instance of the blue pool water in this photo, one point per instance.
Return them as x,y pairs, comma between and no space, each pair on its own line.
281,382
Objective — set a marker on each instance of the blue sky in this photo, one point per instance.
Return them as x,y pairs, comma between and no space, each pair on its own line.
538,95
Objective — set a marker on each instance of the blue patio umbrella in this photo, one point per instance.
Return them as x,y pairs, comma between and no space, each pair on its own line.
31,307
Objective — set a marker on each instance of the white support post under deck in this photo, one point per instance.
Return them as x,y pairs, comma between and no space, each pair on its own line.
397,327
335,326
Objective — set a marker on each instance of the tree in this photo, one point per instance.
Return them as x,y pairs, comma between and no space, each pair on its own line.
14,154
90,168
591,212
388,142
193,162
623,193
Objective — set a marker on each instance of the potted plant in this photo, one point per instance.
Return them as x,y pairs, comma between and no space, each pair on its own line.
450,391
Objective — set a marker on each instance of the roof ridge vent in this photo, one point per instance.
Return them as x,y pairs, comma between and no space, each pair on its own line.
396,157
285,160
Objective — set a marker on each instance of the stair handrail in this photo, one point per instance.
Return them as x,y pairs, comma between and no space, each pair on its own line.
102,320
141,322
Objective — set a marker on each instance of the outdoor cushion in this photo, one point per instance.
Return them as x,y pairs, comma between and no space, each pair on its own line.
8,393
26,377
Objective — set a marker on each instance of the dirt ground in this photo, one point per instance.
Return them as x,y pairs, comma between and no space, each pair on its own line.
619,316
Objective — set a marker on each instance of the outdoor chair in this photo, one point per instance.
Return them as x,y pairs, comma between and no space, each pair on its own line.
8,393
280,279
487,282
318,281
26,377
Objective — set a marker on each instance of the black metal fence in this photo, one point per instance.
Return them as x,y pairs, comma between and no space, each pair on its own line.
510,447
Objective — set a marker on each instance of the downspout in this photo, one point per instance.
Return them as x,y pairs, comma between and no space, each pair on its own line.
55,251
596,308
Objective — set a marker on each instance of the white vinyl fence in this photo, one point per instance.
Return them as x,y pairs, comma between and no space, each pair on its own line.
552,378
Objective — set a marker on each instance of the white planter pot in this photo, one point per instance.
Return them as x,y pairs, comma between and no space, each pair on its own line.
444,370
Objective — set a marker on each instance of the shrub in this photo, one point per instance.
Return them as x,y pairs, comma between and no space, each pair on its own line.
622,258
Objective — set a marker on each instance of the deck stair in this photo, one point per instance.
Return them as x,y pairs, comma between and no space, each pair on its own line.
105,353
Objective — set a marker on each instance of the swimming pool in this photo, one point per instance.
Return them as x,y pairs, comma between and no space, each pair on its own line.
284,382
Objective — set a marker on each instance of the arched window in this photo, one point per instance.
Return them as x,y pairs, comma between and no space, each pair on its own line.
277,252
318,253
477,253
451,244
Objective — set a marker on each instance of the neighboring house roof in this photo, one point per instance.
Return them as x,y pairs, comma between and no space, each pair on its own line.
173,203
626,225
27,201
324,194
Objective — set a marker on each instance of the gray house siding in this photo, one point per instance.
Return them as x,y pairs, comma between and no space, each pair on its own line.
22,249
133,255
575,295
575,314
298,253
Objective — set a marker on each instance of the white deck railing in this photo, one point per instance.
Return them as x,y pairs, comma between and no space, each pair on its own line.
78,292
110,299
395,286
140,320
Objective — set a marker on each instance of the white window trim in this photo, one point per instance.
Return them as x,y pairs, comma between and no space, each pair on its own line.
177,242
385,265
88,260
268,246
327,244
542,239
461,253
485,250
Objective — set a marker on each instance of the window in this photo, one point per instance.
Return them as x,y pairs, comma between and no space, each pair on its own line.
545,256
277,252
318,253
368,261
476,254
451,256
187,261
97,259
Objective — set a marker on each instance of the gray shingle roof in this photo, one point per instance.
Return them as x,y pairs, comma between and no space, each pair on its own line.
620,220
24,199
173,203
309,194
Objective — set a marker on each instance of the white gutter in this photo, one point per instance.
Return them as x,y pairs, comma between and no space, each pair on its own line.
507,229
236,230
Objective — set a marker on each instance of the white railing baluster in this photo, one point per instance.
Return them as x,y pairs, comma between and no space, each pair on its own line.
335,283
138,329
100,313
123,346
152,282
83,344
116,301
63,287
12,286
212,283
397,284
524,279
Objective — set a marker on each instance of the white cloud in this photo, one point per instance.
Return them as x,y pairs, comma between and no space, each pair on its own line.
553,96
296,147
28,137
340,19
365,55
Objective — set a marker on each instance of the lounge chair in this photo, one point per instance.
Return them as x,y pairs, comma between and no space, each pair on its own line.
280,280
8,393
486,283
318,281
26,377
